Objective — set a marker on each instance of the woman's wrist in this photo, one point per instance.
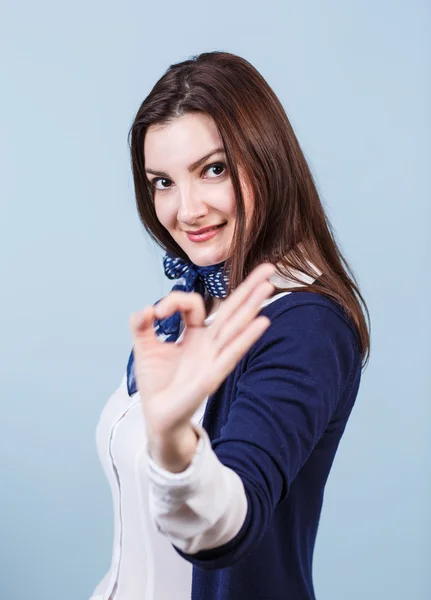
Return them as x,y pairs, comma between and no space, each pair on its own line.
174,450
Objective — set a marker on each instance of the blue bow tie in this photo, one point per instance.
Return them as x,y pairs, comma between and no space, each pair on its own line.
196,279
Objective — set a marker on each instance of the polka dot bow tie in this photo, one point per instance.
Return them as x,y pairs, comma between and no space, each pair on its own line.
213,279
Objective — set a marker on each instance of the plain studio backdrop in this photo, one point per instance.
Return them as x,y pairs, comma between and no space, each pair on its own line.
354,78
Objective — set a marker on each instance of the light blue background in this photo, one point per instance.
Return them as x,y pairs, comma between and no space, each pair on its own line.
354,79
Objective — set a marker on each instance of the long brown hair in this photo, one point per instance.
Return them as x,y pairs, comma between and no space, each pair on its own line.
289,226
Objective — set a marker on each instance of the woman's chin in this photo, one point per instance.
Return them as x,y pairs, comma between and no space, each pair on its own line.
207,257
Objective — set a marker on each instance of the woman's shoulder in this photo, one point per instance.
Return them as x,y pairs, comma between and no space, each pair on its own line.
308,308
310,341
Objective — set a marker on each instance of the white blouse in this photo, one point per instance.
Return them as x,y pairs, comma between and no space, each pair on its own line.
144,564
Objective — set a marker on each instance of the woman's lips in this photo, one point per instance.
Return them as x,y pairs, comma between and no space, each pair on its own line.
207,235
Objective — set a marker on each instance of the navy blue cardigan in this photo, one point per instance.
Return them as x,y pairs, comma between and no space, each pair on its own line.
277,421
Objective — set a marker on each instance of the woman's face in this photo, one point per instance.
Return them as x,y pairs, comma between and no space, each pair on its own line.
186,165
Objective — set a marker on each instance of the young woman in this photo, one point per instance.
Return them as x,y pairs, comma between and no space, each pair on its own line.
219,440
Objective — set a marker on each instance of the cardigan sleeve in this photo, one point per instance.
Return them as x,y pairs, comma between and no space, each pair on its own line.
293,383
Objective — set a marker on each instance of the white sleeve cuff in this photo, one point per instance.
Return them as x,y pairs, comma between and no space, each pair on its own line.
200,508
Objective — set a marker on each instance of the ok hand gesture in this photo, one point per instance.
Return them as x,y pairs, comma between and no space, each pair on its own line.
174,379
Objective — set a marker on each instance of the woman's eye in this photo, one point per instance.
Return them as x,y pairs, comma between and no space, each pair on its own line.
216,166
162,181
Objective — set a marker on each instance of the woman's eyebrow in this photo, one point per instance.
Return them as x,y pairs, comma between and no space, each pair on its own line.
191,167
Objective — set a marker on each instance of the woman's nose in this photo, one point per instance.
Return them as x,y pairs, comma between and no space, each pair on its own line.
191,206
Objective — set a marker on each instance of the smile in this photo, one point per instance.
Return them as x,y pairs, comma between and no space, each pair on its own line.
206,235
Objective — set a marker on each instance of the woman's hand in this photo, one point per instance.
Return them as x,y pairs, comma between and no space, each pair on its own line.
174,379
